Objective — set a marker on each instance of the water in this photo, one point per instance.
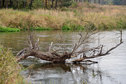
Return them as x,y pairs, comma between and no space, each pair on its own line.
110,69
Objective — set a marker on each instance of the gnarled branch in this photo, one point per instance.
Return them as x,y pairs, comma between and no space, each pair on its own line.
56,57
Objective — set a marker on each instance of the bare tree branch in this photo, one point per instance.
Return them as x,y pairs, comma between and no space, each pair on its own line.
56,57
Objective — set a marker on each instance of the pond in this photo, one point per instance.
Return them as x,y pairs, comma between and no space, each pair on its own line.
110,69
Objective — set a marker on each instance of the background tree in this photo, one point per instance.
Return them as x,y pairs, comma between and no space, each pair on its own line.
3,3
117,2
52,4
30,5
66,3
0,4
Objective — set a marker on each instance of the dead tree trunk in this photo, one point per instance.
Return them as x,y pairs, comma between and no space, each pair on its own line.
56,57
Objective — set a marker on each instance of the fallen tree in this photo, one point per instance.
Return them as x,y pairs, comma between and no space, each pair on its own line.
60,56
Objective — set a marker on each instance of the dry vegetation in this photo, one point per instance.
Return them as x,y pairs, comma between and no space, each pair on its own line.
9,68
75,17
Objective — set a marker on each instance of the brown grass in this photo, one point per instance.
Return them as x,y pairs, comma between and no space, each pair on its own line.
102,16
9,68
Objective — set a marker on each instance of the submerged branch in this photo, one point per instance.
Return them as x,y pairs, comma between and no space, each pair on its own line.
56,57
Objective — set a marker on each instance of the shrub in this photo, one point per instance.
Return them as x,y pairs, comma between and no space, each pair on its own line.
121,23
9,68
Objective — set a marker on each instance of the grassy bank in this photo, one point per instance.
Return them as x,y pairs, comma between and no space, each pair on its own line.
7,29
9,68
78,16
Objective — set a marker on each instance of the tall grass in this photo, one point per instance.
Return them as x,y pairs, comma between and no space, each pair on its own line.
77,17
9,68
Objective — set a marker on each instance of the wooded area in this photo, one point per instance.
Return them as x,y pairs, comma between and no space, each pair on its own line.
17,4
29,4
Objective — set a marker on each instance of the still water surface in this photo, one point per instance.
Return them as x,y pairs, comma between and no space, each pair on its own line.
110,69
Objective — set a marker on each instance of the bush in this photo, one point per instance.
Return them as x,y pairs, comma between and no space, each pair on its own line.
121,24
9,68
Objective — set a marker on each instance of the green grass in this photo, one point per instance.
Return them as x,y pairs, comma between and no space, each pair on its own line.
41,28
72,27
7,29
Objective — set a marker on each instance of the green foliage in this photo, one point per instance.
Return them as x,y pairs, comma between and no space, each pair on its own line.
9,68
74,5
71,26
121,24
7,29
41,28
38,4
33,4
64,9
66,3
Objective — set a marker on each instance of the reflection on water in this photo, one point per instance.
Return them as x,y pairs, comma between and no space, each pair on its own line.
110,69
66,74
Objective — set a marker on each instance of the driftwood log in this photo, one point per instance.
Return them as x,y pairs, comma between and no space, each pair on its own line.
56,57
